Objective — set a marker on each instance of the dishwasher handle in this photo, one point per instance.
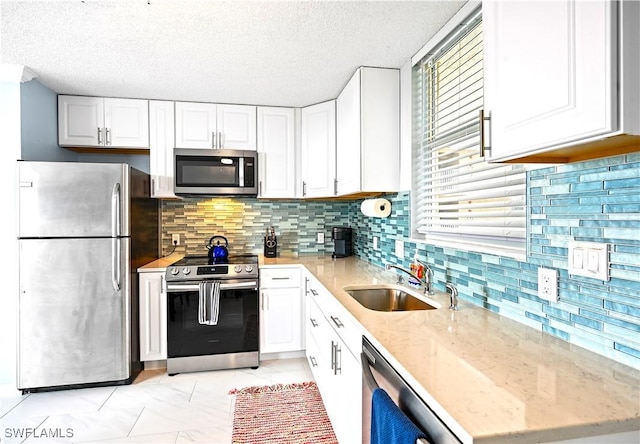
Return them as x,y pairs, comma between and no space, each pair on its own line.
366,359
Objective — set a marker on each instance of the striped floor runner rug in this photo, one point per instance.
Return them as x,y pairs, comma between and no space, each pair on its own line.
281,413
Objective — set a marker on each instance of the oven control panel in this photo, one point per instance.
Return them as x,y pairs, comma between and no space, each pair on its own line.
198,272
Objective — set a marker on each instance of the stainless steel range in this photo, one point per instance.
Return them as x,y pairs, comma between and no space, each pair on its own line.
212,314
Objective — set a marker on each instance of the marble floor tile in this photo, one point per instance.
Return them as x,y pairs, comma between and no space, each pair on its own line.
156,408
104,424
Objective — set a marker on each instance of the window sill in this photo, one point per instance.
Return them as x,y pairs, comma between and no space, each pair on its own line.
497,249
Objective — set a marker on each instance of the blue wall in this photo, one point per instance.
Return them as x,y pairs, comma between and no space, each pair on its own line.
589,201
39,124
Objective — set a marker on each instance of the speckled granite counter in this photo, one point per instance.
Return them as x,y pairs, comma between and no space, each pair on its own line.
490,379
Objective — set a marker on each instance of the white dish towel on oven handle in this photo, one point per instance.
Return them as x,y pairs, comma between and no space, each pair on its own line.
208,303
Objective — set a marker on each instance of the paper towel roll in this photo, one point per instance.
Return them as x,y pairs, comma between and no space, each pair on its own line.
376,207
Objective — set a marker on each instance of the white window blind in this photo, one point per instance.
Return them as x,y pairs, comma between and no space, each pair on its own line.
455,192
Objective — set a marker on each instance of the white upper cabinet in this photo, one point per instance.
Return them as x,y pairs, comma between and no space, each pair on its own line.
103,122
208,125
560,78
277,152
161,141
368,132
318,150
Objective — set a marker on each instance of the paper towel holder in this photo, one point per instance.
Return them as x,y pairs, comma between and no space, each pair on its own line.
376,207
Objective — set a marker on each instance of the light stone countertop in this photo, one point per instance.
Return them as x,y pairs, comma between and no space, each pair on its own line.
161,264
491,379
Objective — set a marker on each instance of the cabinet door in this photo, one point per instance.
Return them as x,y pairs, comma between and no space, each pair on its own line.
126,123
348,151
196,125
319,150
346,394
236,125
281,320
153,316
549,73
276,145
80,121
161,141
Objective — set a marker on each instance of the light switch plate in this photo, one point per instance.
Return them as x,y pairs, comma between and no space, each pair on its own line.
375,242
548,284
320,238
590,259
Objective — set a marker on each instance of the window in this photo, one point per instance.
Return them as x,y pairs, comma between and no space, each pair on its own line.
456,194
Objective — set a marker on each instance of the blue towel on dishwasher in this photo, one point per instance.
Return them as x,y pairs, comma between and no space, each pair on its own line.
389,424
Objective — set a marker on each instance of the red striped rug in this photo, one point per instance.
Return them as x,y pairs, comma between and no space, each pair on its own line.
281,413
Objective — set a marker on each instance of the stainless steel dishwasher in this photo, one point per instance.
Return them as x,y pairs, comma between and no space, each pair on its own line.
377,372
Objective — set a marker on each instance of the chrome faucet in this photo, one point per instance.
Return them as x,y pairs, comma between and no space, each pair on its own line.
425,284
428,277
454,297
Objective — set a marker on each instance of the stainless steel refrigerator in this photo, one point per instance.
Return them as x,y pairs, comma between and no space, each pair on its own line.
84,229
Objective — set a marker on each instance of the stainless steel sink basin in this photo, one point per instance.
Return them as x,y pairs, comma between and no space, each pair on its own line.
385,297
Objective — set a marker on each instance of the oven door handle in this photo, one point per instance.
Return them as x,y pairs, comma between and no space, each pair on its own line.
366,371
172,288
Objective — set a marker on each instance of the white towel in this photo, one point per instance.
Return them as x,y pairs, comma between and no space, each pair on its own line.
208,303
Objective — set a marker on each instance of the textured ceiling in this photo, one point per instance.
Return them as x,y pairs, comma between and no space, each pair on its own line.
289,53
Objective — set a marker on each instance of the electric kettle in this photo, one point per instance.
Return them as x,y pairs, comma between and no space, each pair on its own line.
218,253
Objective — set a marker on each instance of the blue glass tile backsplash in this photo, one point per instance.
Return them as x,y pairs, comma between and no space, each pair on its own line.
595,201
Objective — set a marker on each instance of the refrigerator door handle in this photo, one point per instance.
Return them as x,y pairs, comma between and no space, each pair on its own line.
117,263
116,204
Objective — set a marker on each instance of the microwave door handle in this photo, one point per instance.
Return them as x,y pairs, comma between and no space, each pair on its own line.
241,171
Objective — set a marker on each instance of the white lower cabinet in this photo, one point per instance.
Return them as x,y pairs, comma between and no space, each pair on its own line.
281,310
334,359
153,316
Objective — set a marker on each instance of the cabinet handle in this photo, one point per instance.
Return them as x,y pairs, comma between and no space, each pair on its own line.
220,140
283,278
314,363
260,188
304,189
213,140
107,132
314,323
162,284
337,321
338,365
306,285
484,120
313,292
335,187
333,357
99,136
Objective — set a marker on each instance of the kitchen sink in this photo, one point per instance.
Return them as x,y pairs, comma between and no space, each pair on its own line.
385,297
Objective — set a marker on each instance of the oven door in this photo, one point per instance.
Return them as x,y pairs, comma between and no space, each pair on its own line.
236,330
215,172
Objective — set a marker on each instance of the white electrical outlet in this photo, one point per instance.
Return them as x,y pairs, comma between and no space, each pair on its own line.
548,284
320,238
375,242
175,239
399,248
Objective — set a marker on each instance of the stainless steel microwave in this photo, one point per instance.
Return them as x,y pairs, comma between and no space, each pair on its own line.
215,172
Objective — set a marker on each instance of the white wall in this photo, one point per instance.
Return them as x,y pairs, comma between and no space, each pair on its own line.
405,127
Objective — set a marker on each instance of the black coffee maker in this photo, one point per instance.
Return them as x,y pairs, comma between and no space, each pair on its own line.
270,243
342,241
